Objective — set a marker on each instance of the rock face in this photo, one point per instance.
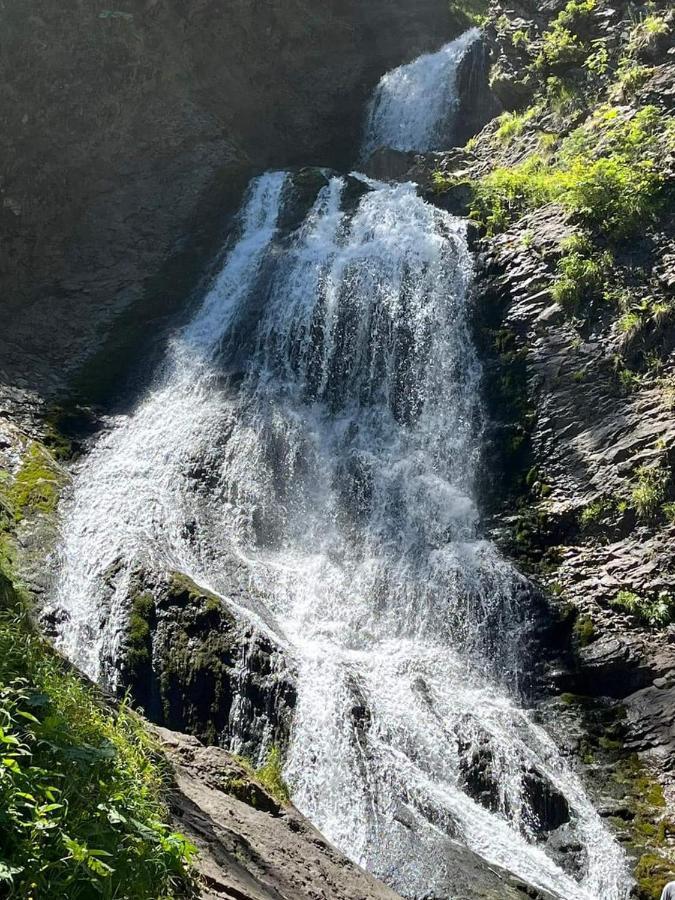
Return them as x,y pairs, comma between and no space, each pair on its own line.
195,666
130,132
253,848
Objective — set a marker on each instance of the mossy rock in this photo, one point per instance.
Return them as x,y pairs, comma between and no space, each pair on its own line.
652,872
194,667
37,485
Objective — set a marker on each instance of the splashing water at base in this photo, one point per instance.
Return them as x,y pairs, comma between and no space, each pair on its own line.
414,106
320,416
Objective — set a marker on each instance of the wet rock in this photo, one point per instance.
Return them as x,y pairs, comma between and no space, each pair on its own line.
650,723
545,808
478,103
387,164
196,666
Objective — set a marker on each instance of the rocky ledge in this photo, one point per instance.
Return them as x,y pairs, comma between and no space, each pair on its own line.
251,845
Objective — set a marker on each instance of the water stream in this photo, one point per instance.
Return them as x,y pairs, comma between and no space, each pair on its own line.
320,416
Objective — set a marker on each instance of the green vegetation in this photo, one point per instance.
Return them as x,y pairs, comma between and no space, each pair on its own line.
605,174
469,12
582,274
82,813
651,873
565,42
595,512
512,124
650,490
584,631
269,775
81,809
271,778
37,484
138,646
656,613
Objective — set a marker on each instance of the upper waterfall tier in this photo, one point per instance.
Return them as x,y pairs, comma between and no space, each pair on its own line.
414,107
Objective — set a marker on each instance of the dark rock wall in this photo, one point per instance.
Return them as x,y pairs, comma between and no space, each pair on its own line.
194,666
129,131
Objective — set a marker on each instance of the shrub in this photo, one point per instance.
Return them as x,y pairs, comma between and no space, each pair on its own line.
513,124
656,613
631,77
581,274
505,194
560,49
81,808
520,38
612,194
605,174
668,510
650,490
564,43
595,512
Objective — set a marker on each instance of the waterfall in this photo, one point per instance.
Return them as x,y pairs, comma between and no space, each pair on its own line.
414,106
320,417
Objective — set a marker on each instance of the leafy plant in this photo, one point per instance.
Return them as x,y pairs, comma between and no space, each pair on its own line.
513,124
81,789
656,613
650,490
581,273
595,512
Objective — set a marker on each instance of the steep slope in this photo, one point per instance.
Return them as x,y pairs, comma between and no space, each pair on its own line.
572,191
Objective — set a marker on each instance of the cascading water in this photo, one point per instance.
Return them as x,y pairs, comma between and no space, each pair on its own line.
320,417
414,106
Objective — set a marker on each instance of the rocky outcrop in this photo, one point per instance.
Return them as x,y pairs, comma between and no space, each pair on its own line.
194,665
128,135
251,846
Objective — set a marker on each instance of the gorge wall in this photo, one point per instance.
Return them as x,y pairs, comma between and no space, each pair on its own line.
129,133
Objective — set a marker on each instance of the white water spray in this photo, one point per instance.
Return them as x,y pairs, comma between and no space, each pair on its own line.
320,417
414,106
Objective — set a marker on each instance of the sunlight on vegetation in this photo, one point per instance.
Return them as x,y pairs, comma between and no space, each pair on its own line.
81,808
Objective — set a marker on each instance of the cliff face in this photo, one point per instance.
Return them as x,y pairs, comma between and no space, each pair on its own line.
572,190
129,134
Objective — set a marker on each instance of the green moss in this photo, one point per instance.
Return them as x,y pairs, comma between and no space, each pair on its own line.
270,776
584,631
652,872
138,645
38,483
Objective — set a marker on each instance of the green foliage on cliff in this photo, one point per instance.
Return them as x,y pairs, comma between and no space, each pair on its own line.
655,612
649,491
605,174
81,808
468,12
271,777
82,811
